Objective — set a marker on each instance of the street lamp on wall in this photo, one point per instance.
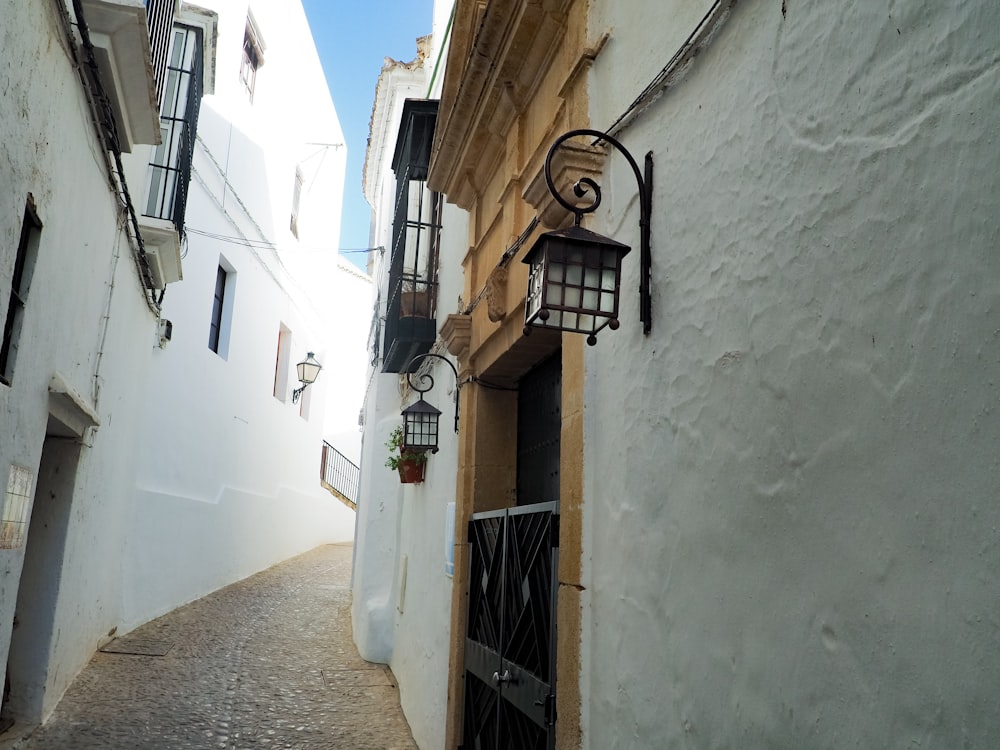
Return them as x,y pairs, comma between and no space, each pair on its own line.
574,274
420,426
307,371
420,419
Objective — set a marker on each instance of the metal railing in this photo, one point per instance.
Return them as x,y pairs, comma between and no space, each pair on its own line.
170,166
160,18
340,475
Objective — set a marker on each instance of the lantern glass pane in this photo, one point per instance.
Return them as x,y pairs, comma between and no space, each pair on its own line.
608,303
574,275
572,297
590,299
556,272
553,294
533,302
608,278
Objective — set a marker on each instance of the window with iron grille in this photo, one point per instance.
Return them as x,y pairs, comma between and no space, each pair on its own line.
24,266
221,325
160,19
253,56
410,322
170,168
215,327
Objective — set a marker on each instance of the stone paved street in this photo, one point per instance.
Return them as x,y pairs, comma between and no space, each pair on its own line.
265,663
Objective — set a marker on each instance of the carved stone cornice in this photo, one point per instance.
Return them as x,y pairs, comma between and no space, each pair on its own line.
498,55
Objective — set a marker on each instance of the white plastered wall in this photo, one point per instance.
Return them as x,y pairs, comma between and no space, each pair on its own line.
402,593
228,479
86,320
790,487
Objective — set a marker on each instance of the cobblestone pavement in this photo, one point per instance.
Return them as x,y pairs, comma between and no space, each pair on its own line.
265,663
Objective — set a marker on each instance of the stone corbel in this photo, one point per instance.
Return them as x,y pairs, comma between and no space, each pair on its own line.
573,160
456,332
70,409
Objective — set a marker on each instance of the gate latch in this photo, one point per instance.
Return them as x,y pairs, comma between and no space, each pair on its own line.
499,679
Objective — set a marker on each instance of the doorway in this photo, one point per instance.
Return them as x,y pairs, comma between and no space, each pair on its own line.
30,652
510,645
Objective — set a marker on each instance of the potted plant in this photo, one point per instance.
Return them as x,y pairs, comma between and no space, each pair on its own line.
414,300
409,463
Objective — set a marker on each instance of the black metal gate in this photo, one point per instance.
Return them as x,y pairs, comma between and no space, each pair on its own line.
510,646
510,641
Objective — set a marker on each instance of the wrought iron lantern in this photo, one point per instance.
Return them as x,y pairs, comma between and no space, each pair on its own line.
573,282
420,419
420,427
574,274
307,371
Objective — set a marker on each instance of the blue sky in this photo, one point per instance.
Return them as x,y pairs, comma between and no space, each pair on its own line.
353,38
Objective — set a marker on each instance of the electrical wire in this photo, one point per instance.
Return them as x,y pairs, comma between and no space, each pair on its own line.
268,245
110,133
677,65
504,261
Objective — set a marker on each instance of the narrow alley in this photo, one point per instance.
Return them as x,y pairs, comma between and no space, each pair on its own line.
267,662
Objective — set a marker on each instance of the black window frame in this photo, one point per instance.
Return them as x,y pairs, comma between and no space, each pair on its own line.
170,165
252,59
20,283
411,301
218,305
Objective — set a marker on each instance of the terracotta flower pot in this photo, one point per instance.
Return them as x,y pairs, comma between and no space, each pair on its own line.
415,304
411,471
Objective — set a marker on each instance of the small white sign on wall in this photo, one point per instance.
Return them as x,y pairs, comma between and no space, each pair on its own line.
449,539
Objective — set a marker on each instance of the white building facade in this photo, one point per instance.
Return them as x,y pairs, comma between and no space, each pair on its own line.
403,560
150,449
228,481
776,521
80,318
805,546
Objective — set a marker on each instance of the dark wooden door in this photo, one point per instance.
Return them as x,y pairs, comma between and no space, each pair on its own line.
510,647
539,423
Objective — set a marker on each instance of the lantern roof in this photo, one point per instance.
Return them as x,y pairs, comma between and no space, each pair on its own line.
577,235
421,407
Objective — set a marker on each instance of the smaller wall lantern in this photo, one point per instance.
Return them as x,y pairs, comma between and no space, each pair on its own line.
420,419
575,274
307,371
420,427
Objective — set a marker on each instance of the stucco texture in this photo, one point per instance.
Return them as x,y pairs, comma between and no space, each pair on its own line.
84,319
790,486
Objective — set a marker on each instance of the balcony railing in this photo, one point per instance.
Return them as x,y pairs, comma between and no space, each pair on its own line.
340,475
411,314
170,167
160,18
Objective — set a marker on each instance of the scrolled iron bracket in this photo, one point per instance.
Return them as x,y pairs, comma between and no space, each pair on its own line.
427,379
586,185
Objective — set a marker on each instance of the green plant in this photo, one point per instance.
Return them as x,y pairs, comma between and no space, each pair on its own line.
398,452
